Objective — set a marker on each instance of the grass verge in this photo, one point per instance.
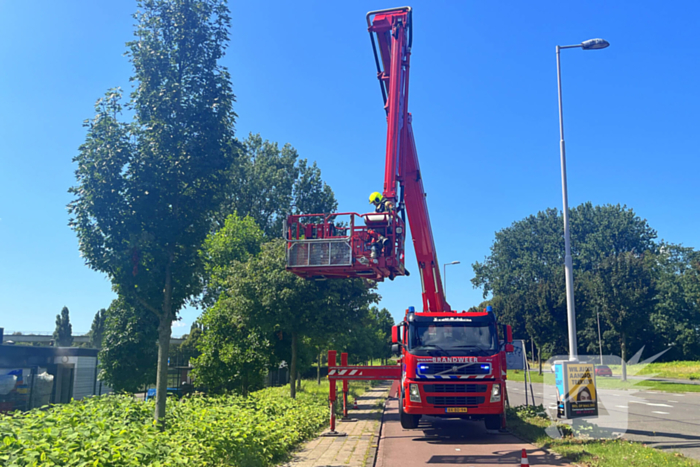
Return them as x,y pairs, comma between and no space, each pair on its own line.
612,383
529,423
689,370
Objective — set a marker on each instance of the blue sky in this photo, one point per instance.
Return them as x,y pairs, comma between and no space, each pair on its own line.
483,98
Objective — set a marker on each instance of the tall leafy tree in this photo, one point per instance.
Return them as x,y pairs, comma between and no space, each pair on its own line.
97,329
676,317
261,295
230,355
148,190
129,352
525,269
626,298
272,183
367,338
237,240
63,334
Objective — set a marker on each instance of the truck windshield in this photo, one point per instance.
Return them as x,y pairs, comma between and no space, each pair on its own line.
452,339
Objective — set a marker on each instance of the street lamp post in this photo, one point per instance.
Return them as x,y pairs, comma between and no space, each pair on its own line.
444,274
600,341
591,44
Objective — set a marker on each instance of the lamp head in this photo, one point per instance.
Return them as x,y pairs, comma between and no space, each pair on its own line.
593,44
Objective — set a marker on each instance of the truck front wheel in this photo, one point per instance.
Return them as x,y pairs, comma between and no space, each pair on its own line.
492,422
408,421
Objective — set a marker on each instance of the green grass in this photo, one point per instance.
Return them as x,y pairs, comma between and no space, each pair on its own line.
587,452
612,383
689,370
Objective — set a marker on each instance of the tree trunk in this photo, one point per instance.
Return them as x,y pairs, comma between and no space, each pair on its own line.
318,368
293,368
164,331
539,359
623,350
298,381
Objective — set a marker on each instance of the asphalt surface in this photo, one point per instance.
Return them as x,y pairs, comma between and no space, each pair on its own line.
663,420
439,441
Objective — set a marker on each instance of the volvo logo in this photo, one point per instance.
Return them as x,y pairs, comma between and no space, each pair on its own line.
455,369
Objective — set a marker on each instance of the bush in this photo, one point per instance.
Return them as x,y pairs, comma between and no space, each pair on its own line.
258,430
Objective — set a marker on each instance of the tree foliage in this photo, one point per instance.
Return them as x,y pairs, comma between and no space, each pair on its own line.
261,299
237,240
272,183
525,274
63,334
129,352
97,329
368,338
148,190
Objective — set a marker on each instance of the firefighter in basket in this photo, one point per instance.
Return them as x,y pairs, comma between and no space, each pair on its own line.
381,204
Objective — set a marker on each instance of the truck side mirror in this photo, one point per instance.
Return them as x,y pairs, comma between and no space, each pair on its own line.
509,334
510,348
395,335
395,349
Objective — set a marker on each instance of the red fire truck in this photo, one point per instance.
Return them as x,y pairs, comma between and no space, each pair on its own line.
452,364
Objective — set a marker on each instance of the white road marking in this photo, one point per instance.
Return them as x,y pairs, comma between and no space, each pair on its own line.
662,413
622,407
674,401
658,405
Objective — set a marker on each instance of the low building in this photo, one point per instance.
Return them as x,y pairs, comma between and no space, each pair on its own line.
32,377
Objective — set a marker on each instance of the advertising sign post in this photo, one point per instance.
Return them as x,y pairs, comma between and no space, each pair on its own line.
576,389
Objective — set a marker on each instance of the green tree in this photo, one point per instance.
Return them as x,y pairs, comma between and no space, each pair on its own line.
626,298
233,356
129,352
261,295
384,322
148,190
676,317
63,334
229,355
272,183
237,240
367,338
97,329
525,272
188,348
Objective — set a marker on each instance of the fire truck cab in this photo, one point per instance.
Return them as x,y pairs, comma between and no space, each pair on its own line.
453,365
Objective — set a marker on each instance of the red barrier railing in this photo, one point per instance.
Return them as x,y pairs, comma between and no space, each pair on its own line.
344,373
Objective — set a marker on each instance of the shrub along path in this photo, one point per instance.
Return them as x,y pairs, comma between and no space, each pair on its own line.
109,431
359,447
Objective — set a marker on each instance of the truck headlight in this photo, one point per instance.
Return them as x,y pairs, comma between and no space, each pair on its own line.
414,393
496,393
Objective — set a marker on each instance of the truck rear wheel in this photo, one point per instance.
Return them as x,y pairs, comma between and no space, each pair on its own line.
492,422
408,421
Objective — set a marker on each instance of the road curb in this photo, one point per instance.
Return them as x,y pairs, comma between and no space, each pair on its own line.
375,449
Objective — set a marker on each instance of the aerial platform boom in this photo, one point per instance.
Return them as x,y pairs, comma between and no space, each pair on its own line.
320,246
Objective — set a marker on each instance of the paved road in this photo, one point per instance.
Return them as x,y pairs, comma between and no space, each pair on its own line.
447,442
667,421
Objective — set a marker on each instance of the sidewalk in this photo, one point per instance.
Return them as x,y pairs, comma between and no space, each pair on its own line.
359,447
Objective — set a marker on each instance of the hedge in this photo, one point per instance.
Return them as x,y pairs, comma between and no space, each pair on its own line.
118,430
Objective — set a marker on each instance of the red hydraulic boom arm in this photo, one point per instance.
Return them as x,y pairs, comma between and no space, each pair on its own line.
391,33
371,245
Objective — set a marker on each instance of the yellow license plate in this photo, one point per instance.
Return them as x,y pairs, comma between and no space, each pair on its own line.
456,410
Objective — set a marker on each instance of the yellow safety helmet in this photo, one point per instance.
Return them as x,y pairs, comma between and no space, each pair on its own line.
375,197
